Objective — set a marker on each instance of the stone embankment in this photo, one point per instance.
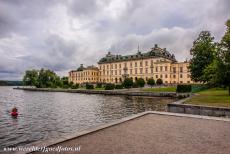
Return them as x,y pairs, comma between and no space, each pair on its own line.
127,92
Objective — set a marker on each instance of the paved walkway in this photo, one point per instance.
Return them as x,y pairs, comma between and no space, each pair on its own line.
157,134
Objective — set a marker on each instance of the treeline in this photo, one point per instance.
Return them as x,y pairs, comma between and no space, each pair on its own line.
45,78
10,83
210,61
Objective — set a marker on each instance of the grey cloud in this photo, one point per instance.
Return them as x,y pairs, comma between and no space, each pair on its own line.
60,35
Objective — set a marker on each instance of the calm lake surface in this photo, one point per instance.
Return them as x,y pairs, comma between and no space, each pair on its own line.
45,115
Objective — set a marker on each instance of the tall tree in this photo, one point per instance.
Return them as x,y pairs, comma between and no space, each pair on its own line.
30,78
224,58
202,52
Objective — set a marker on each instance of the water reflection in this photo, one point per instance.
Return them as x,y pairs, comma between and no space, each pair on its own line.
44,115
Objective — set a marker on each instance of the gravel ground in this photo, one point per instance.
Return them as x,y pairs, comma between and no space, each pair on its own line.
157,134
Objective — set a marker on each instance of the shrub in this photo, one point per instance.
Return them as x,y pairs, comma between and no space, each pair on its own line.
183,88
75,86
118,86
151,82
135,85
159,81
109,86
99,85
140,82
89,86
128,83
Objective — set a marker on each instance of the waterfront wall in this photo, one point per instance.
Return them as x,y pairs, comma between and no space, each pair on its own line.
199,110
105,92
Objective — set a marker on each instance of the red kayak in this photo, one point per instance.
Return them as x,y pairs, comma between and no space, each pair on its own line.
14,114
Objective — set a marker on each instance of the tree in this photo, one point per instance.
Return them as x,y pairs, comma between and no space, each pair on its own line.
140,82
30,78
128,83
159,81
151,82
224,59
203,52
46,78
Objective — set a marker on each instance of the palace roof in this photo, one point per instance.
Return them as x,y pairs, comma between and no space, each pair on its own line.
155,52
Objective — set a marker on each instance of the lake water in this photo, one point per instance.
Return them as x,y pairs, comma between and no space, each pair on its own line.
45,115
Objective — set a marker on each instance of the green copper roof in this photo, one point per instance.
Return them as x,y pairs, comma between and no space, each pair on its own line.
153,53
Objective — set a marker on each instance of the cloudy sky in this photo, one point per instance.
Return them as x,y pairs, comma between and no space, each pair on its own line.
62,34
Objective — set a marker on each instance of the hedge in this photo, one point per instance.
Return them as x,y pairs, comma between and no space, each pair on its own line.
109,86
118,86
89,86
183,88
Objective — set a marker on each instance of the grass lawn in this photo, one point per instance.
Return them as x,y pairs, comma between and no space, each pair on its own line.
211,97
160,89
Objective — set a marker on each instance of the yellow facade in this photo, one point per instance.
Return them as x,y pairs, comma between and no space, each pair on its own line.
84,75
157,63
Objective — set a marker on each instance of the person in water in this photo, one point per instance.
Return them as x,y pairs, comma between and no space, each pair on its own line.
14,112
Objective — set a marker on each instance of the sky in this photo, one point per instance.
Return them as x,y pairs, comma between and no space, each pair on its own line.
62,34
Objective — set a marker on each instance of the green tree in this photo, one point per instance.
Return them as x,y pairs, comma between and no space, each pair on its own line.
203,52
140,82
224,59
159,81
46,78
30,78
128,83
151,82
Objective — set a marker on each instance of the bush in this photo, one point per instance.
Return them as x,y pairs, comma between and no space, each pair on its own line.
128,83
118,86
140,82
89,86
135,85
99,85
183,88
159,82
75,86
109,86
151,82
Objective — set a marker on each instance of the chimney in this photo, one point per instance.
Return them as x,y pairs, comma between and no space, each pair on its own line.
156,46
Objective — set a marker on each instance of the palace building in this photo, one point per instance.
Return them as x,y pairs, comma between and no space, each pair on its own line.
156,63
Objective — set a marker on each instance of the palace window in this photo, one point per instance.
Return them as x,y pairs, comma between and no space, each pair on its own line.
174,76
181,69
146,70
156,76
151,62
166,68
161,76
166,76
156,69
146,63
135,64
119,72
119,65
111,72
111,66
115,72
181,76
125,64
115,66
135,70
151,70
107,66
130,64
174,69
140,63
141,70
161,68
131,71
